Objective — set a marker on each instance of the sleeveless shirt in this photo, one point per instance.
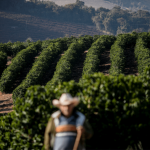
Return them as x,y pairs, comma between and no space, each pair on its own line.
66,140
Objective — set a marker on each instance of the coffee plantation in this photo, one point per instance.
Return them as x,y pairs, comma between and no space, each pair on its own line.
117,106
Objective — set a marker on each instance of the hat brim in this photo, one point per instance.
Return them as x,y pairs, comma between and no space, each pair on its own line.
57,103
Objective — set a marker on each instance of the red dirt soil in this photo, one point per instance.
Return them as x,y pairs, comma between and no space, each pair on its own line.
130,62
50,72
6,103
78,68
105,62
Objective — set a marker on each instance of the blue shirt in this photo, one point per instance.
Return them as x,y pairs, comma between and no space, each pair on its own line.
66,142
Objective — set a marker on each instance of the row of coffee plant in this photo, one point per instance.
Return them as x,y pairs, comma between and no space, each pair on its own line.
69,59
3,61
142,52
117,52
40,67
92,61
23,58
6,48
11,49
68,41
116,107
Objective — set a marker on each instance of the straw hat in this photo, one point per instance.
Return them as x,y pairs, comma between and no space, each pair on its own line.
66,99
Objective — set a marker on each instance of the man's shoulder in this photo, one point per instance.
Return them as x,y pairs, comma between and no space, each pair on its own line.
80,114
81,118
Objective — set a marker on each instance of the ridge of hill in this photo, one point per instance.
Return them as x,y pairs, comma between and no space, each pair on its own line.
133,5
94,3
41,20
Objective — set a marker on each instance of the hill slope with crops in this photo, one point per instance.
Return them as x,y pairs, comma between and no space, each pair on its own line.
63,59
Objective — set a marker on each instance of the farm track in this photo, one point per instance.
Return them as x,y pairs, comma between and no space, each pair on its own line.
130,62
78,68
18,27
105,62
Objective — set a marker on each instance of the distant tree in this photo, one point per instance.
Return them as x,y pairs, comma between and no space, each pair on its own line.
98,21
121,21
138,30
121,29
29,40
79,3
110,25
102,9
67,35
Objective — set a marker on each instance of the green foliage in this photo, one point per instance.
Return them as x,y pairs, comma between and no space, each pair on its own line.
65,40
6,48
6,131
122,104
95,37
3,61
117,59
17,47
11,49
39,68
117,52
69,59
118,106
127,40
30,128
142,51
22,60
92,60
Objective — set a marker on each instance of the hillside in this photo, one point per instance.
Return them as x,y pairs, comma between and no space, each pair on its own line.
19,27
41,20
103,65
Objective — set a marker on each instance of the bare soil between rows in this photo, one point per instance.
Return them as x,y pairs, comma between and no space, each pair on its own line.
78,68
105,62
50,72
130,62
6,103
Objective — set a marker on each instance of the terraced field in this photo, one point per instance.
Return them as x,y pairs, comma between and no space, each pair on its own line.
19,27
71,62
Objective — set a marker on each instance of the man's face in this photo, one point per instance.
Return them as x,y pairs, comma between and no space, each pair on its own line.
67,110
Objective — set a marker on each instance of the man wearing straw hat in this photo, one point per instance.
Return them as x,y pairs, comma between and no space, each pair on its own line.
67,128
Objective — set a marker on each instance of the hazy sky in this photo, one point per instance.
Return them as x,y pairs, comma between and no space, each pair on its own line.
94,3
